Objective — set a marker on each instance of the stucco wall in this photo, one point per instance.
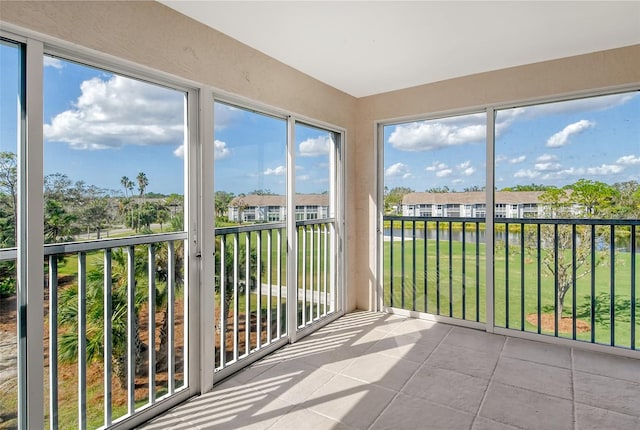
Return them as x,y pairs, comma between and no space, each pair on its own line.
594,71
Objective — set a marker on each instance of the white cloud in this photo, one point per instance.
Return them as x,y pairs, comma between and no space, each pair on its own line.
517,160
547,167
526,173
602,170
469,171
561,138
457,181
430,135
52,62
179,151
220,150
277,171
119,111
303,177
628,160
545,158
605,169
501,158
436,165
466,168
314,147
444,173
398,170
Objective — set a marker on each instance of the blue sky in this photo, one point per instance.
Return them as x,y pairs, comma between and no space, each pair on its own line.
553,144
99,127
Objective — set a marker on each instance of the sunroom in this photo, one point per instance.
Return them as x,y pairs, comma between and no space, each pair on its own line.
339,215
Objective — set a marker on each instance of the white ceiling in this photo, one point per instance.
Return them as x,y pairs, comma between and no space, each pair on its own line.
369,47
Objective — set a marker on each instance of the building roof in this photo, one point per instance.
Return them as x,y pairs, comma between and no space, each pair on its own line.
278,200
472,197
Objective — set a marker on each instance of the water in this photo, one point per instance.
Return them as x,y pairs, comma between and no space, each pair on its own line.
622,244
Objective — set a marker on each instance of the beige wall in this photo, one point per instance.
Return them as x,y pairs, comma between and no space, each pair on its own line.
155,36
569,75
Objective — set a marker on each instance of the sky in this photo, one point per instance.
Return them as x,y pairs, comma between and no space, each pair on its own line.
99,127
595,138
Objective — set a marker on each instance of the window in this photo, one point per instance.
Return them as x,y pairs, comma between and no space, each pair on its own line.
11,124
570,160
114,166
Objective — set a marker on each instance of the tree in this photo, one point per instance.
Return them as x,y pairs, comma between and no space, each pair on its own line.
222,200
9,190
393,198
444,189
595,197
627,201
474,188
530,187
58,223
559,265
262,192
68,315
143,183
226,282
95,215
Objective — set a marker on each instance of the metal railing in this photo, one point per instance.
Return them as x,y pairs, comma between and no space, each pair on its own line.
115,327
568,278
571,278
316,272
426,270
250,307
250,290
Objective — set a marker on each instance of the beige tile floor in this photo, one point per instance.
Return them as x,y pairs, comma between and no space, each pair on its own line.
379,371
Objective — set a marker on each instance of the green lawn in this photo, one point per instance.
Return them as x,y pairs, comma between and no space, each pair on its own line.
412,292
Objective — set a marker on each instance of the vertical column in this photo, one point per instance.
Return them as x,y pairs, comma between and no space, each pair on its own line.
30,241
489,232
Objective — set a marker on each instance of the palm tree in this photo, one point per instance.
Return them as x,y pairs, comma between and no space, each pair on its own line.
68,315
57,222
143,182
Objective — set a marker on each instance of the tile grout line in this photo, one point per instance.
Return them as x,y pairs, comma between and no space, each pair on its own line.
334,375
486,391
420,367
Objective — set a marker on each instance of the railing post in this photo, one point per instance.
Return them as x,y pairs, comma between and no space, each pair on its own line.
82,340
108,311
53,342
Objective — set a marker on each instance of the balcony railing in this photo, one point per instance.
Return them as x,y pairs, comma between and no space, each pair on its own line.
251,294
115,328
572,279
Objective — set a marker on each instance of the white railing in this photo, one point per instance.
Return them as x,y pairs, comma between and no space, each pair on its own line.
250,285
104,298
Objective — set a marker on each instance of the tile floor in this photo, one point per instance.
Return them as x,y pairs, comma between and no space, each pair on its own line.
379,371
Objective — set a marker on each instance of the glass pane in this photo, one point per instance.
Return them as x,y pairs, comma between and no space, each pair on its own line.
10,80
434,201
576,161
314,180
114,167
250,151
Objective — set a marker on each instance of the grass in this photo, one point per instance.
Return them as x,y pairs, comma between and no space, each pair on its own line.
515,293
